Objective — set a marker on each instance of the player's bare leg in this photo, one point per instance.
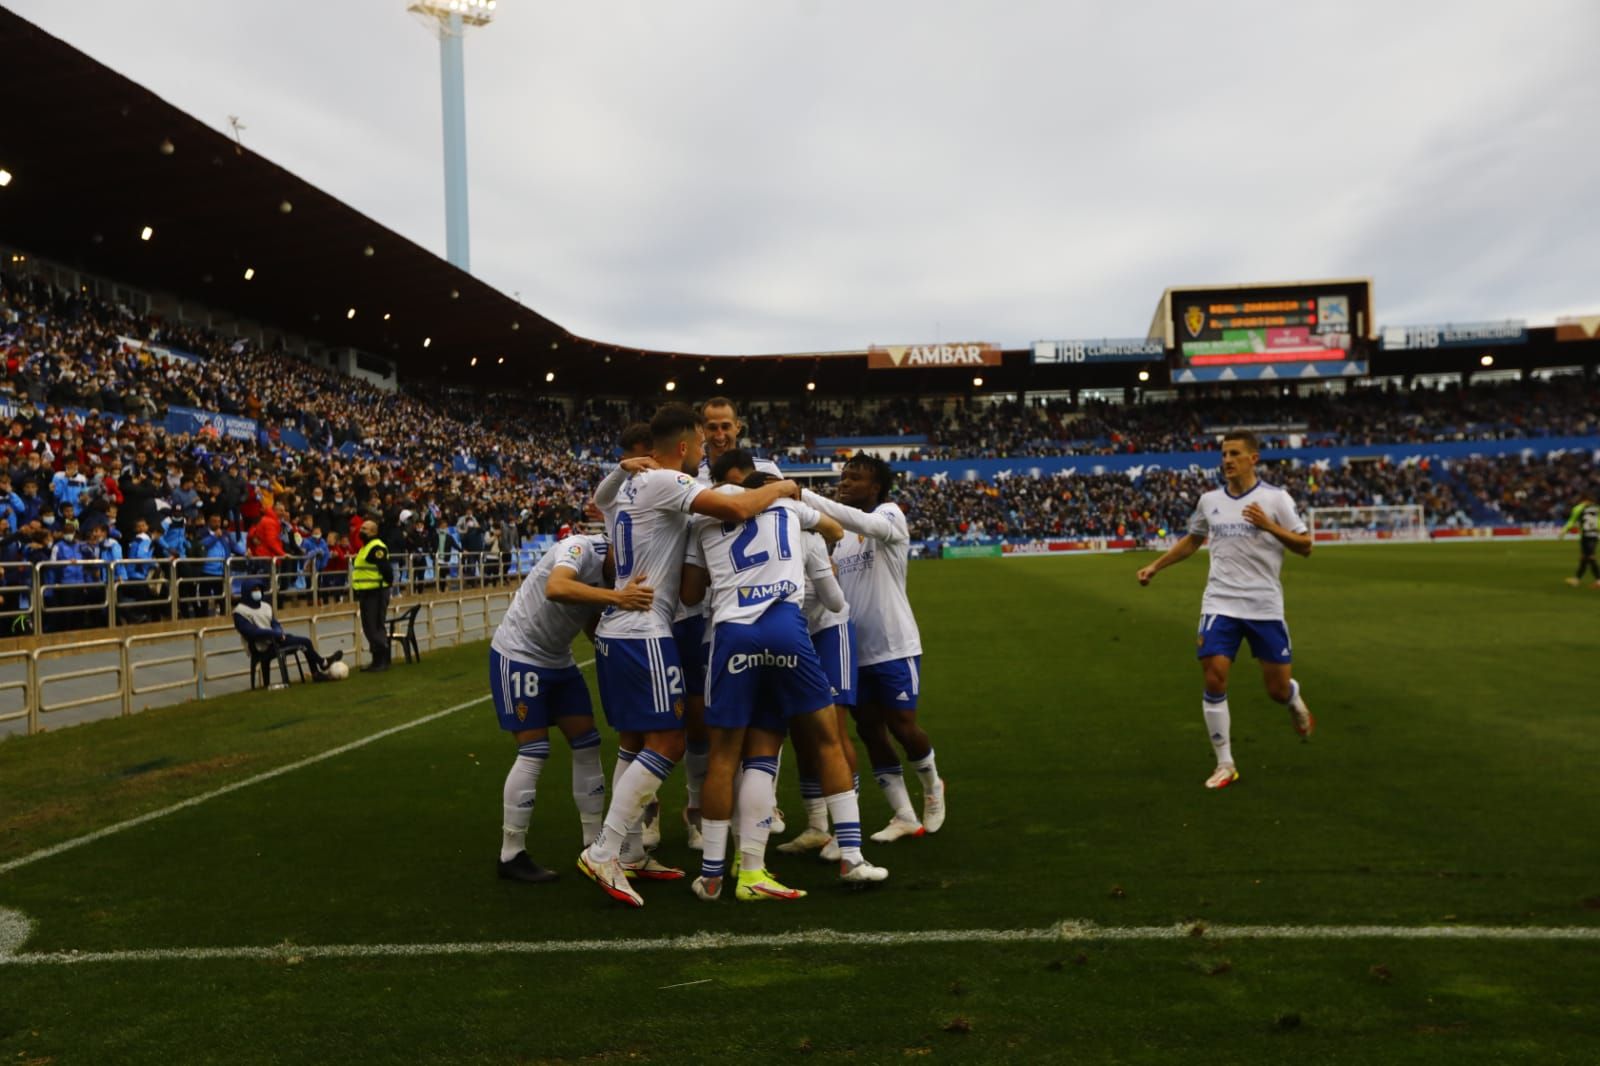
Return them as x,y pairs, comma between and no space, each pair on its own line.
821,735
919,752
1284,689
816,834
872,727
1218,721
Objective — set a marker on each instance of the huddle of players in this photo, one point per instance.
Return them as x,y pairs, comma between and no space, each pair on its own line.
723,627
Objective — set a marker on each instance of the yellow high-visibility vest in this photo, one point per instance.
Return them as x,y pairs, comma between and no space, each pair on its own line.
364,573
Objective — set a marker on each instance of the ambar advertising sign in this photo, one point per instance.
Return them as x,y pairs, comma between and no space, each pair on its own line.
1578,328
922,356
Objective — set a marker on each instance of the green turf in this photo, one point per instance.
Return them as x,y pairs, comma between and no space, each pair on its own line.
1450,781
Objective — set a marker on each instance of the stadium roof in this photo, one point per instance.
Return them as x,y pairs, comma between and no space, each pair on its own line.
95,158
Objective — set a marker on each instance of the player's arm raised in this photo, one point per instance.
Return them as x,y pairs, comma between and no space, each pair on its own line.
1187,545
1299,543
605,494
564,587
878,527
740,506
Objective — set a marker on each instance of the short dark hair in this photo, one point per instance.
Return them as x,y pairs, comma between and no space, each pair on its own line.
876,469
1243,436
636,434
729,461
719,401
756,478
672,421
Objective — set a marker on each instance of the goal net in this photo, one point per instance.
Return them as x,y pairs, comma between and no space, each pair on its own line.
1360,524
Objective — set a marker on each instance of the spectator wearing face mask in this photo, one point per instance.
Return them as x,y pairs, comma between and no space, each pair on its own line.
254,620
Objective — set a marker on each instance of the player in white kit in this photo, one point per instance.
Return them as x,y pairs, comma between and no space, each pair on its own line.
641,678
764,679
1250,524
872,573
535,682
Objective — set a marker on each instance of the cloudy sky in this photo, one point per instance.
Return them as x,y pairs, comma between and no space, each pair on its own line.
806,175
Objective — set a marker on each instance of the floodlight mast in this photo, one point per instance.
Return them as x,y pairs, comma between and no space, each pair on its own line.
450,19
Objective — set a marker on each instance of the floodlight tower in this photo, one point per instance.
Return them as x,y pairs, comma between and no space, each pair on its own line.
450,19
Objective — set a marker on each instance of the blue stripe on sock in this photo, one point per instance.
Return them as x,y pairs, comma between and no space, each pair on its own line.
710,868
810,788
535,749
765,763
1209,698
847,834
626,756
892,768
591,739
656,763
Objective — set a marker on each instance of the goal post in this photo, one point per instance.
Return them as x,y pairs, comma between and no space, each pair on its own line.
1356,525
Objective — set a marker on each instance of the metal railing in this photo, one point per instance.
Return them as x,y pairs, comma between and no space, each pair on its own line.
56,596
442,623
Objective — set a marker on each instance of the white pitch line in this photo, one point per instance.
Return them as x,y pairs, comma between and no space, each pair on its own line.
204,797
1061,932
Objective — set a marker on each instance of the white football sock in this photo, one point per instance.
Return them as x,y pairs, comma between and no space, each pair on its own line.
927,773
892,779
816,806
1217,727
755,812
634,788
695,761
714,857
588,784
845,810
517,797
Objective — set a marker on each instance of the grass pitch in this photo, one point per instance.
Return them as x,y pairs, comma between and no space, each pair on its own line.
1451,783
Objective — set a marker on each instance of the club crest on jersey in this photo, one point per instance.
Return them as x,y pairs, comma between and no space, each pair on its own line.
1194,319
750,595
677,708
522,712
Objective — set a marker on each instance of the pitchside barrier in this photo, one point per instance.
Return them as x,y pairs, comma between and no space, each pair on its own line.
460,599
1324,537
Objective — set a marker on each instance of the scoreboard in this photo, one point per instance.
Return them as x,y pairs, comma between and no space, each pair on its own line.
1300,329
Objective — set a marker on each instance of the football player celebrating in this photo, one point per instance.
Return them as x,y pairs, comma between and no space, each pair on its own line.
535,682
723,430
764,679
641,679
1250,524
872,573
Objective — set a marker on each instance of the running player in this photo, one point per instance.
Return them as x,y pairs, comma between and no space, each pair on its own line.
641,679
535,682
1249,524
1585,518
765,679
872,573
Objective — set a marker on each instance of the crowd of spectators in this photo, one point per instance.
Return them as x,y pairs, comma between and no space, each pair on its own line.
89,474
1151,504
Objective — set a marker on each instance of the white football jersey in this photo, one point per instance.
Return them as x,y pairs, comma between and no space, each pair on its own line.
763,466
819,567
540,631
649,526
871,561
755,563
1245,561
